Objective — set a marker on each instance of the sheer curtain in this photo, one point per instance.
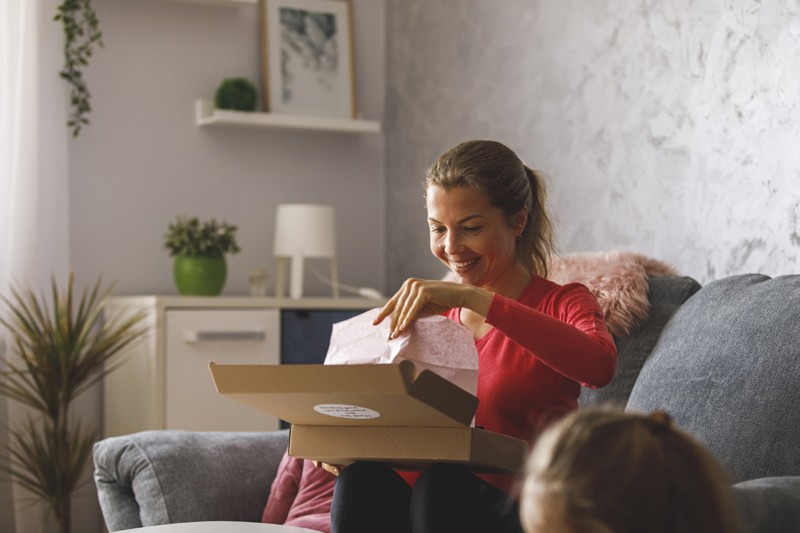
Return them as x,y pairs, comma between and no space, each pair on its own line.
33,183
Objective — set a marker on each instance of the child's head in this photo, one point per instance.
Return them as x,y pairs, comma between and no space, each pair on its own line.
606,471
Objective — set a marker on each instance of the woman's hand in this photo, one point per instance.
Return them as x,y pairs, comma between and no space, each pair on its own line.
333,469
419,298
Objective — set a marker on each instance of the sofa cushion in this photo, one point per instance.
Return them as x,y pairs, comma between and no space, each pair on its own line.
727,368
665,294
769,505
205,472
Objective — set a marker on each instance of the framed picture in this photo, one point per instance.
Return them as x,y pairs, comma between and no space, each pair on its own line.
308,57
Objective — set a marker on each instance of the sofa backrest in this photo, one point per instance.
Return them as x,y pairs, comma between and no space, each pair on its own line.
727,368
665,294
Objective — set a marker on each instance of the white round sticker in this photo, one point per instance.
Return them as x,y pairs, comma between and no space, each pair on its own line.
341,410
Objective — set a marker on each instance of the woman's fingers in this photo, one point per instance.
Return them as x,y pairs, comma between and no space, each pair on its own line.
333,469
415,299
421,300
385,311
400,304
402,308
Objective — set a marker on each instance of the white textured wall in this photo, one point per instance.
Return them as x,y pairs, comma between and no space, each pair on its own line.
668,127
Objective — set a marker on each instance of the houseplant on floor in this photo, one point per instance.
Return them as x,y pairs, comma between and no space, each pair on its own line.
199,250
61,347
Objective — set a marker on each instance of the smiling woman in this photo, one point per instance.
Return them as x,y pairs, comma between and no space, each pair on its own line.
497,173
538,342
474,240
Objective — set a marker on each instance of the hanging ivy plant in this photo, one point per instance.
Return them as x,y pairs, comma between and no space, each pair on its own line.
82,35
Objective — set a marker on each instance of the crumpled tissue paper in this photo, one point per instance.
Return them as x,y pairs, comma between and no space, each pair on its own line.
435,343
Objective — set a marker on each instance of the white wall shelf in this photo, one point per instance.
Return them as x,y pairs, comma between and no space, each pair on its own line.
206,115
220,3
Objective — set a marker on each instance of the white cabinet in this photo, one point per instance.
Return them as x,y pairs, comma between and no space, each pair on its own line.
196,337
164,381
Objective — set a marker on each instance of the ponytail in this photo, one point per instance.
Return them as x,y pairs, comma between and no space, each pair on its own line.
537,243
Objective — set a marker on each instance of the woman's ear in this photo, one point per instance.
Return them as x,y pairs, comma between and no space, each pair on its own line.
520,220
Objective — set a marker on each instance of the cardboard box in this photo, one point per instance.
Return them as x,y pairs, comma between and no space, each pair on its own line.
389,413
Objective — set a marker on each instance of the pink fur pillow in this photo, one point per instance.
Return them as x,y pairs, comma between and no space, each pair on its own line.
619,281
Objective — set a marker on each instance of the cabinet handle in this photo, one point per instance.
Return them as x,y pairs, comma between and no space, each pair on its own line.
202,336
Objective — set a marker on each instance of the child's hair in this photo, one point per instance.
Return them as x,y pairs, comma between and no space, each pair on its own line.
599,470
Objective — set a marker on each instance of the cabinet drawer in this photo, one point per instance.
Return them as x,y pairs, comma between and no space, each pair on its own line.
195,338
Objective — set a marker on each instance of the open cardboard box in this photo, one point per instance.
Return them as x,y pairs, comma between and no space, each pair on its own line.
389,413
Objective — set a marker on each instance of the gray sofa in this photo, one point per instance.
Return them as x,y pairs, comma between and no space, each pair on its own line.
723,360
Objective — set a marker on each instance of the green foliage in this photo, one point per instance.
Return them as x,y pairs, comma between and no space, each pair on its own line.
61,350
81,36
239,94
187,236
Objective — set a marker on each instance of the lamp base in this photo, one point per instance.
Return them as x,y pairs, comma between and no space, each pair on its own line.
296,277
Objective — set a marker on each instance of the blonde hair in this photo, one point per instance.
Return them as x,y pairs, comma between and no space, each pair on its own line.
494,169
599,471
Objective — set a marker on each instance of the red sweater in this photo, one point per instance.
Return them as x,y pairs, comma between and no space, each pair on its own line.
542,348
532,363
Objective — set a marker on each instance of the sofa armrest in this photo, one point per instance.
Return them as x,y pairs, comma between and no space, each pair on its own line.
769,505
167,476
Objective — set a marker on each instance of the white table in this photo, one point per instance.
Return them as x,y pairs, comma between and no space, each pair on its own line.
222,527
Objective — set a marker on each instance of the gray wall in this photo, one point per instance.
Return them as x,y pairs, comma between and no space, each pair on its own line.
667,127
143,161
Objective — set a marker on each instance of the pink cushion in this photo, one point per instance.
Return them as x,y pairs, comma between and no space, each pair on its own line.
300,496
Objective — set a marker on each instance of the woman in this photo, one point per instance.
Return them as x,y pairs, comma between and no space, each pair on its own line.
537,342
652,477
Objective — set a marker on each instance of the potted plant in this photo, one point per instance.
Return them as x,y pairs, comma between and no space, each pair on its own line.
60,348
199,250
237,94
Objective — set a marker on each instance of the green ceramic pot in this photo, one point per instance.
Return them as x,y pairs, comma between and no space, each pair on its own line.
199,275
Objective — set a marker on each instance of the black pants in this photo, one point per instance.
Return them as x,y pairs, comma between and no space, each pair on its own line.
373,498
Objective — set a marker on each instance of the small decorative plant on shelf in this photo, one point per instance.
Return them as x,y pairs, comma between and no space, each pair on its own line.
199,249
237,94
60,348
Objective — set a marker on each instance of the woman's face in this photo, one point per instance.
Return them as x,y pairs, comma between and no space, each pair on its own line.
472,237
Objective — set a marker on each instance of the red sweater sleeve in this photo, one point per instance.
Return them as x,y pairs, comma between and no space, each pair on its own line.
568,333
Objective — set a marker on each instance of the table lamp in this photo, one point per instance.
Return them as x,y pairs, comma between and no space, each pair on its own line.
301,231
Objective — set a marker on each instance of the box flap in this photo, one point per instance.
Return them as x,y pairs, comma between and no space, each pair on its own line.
348,395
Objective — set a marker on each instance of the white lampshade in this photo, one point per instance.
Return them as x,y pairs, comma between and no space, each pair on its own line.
302,230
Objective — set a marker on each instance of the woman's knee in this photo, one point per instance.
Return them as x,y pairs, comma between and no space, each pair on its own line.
370,497
442,479
363,472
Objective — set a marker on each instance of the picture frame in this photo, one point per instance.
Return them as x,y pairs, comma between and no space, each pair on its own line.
307,54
